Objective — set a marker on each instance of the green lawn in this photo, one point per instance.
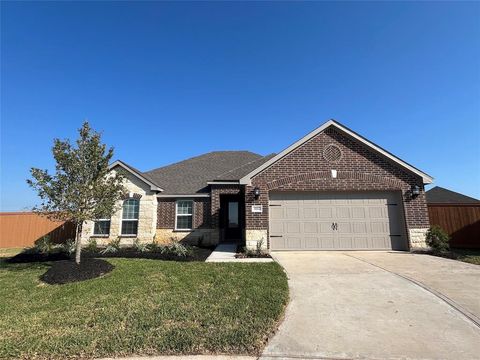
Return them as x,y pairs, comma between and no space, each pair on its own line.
141,307
8,252
470,256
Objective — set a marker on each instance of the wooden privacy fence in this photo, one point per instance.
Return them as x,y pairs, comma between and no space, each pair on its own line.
460,221
22,229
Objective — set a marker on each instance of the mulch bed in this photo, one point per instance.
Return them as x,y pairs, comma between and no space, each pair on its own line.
246,256
198,254
26,257
67,271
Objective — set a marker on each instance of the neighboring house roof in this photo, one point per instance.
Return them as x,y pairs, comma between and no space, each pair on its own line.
192,175
444,196
427,179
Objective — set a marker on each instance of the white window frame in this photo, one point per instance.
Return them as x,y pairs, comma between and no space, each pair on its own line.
177,214
102,235
137,219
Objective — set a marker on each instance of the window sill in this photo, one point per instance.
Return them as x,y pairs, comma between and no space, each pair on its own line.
182,230
127,236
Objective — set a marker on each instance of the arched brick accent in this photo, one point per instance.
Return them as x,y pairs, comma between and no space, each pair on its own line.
318,176
359,169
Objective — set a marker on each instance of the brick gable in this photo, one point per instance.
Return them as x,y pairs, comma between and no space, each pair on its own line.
359,169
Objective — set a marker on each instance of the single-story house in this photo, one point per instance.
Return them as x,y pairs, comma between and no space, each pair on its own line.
331,190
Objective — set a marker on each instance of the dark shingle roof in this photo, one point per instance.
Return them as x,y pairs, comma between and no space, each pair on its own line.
445,196
191,176
239,172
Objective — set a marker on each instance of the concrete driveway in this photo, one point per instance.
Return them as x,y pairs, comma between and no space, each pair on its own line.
378,305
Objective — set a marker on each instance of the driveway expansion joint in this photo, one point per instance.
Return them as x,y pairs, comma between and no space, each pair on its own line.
469,316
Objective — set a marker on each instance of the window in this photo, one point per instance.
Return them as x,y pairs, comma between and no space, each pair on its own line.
101,227
130,217
184,215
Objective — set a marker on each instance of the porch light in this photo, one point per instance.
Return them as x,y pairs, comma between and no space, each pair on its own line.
256,192
415,191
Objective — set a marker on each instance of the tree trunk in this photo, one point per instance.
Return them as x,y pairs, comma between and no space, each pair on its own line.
78,242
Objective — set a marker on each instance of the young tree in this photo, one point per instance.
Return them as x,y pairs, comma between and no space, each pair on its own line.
82,187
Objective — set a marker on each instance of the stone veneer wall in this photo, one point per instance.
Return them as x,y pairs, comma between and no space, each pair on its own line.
147,216
358,169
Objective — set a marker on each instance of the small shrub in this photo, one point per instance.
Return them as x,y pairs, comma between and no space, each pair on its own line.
69,247
175,249
112,248
259,247
438,239
153,246
140,246
44,245
258,252
92,246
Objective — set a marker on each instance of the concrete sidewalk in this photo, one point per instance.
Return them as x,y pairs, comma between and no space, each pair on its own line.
227,252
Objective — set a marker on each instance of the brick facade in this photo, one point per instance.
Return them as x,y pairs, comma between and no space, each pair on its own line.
166,213
216,192
358,169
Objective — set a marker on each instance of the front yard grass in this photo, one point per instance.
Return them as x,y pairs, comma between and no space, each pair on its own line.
470,256
142,307
8,252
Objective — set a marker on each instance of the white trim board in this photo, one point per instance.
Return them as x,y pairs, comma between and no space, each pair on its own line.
116,163
233,182
246,180
183,196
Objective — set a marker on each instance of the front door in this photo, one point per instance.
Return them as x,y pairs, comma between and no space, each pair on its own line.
231,219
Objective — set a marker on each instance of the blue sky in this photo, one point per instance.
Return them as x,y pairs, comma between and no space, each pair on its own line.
166,81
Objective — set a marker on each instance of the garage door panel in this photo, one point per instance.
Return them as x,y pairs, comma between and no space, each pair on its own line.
377,212
360,227
361,242
292,213
312,243
358,213
277,227
364,220
344,242
325,213
342,212
379,227
277,243
294,242
276,212
293,227
310,228
326,243
344,227
310,213
325,228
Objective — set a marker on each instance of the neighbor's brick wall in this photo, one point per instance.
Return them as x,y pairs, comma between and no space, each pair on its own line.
359,169
166,213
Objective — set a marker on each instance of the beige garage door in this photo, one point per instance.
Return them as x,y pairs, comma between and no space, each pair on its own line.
336,221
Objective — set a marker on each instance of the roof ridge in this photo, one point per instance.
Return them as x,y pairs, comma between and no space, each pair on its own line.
199,156
243,165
